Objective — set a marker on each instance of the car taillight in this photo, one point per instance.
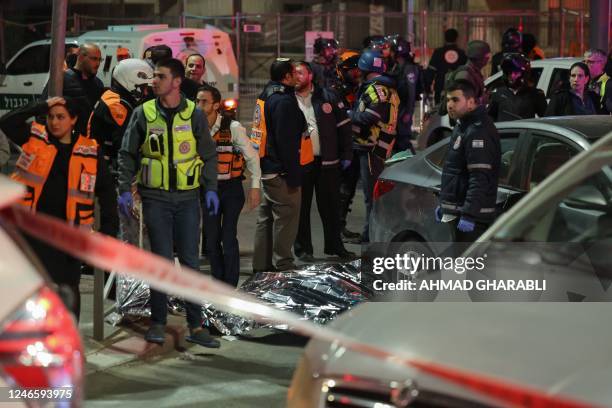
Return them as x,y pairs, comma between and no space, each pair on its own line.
40,346
382,187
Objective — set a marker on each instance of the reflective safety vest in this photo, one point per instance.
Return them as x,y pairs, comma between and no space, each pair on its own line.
382,135
35,162
259,131
170,159
230,162
118,111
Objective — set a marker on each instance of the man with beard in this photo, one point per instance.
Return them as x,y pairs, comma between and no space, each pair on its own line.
324,63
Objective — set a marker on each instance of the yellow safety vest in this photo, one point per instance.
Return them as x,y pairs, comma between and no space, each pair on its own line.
169,160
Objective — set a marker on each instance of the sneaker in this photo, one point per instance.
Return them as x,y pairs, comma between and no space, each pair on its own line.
350,234
156,334
306,258
203,338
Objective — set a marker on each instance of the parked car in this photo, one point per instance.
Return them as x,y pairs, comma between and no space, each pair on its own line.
532,149
548,74
40,345
498,354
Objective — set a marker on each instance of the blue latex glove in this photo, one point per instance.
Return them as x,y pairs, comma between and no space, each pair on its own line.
466,225
438,214
212,202
345,164
125,202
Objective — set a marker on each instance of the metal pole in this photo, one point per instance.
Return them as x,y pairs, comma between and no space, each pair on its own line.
278,35
76,23
410,22
183,7
562,27
599,11
98,305
237,28
424,52
58,40
581,32
328,22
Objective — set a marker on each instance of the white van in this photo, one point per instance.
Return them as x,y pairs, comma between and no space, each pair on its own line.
27,72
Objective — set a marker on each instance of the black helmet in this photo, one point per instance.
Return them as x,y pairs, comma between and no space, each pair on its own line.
511,40
372,40
400,46
515,62
321,44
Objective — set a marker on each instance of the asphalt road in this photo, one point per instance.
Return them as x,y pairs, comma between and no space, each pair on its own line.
242,373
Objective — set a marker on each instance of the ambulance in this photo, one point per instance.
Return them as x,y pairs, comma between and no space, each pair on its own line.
25,75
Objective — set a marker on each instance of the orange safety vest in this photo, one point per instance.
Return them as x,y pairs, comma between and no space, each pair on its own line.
259,131
34,165
230,162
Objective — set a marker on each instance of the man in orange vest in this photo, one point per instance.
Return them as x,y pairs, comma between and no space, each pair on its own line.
234,150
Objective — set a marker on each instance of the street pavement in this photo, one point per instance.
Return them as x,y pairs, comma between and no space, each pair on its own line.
124,370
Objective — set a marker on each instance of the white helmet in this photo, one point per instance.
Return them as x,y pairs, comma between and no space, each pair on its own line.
134,75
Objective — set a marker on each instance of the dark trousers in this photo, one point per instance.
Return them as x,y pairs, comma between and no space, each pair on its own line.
221,232
348,186
173,224
325,182
370,166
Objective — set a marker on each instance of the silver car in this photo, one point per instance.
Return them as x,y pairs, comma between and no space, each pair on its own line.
496,354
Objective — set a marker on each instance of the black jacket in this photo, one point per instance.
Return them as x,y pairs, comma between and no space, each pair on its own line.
444,60
470,73
325,75
54,194
285,124
505,105
471,170
85,91
562,103
334,126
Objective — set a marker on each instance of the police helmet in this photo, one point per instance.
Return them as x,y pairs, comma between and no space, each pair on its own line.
321,44
400,46
134,75
346,61
372,60
514,62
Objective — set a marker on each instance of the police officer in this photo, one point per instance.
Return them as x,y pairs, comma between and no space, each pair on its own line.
375,116
168,148
443,60
471,169
409,88
479,54
324,63
512,41
130,84
330,133
516,99
349,77
280,133
234,151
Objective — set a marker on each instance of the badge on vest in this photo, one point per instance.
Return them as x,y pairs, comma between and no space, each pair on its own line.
86,150
185,147
88,182
326,107
256,116
182,128
25,160
477,144
457,143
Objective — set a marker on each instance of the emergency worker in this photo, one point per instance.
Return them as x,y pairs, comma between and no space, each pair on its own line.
471,169
63,172
512,41
234,153
330,133
280,134
349,77
516,99
168,148
130,84
478,53
443,60
324,62
375,116
596,59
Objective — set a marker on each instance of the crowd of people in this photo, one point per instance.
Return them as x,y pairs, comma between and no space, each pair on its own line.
318,128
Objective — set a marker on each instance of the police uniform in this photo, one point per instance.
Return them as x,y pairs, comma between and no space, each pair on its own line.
506,104
470,174
62,181
375,117
325,75
409,87
173,157
221,229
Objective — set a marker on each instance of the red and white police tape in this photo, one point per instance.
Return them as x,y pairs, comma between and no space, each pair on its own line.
108,254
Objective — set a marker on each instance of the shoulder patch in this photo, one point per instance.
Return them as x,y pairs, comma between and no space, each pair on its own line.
382,92
477,144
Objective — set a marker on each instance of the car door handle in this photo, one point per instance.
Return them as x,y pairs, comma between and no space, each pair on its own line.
29,83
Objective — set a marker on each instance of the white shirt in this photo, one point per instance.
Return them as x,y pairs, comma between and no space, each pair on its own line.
305,104
242,143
